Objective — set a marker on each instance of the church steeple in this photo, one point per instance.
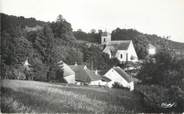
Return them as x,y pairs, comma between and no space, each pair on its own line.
105,38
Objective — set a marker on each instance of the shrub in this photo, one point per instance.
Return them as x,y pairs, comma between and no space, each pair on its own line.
118,85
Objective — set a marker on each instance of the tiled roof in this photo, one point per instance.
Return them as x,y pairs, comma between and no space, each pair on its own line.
116,45
119,44
84,75
92,75
123,74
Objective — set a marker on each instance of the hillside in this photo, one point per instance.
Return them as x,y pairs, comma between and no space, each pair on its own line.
40,97
44,44
141,41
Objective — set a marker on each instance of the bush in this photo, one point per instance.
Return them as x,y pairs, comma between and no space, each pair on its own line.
155,95
118,85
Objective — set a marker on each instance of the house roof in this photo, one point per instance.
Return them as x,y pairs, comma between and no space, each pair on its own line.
116,45
123,74
84,75
67,70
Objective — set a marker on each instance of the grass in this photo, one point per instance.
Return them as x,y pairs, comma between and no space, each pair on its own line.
39,97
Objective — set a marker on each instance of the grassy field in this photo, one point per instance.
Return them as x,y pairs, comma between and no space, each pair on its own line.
38,97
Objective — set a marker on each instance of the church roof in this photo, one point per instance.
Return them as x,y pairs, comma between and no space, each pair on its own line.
120,44
116,45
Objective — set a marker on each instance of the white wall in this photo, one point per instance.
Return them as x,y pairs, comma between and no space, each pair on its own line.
107,51
70,79
118,55
127,53
131,86
132,52
115,77
97,82
152,51
107,39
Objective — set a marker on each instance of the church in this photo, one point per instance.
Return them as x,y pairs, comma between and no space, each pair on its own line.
123,50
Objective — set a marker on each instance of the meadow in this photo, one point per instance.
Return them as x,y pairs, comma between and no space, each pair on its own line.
39,97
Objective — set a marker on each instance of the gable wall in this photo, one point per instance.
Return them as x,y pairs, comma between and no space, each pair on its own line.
70,79
118,55
132,52
115,77
107,51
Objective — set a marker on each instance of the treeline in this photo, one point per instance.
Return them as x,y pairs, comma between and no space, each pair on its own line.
92,36
141,41
43,44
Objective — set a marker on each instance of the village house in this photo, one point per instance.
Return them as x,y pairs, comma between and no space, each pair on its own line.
151,49
84,76
118,75
68,74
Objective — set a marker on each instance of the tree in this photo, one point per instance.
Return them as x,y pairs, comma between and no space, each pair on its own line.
93,31
62,29
163,69
96,59
60,18
60,72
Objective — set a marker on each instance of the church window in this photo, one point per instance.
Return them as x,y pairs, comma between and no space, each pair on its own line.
121,56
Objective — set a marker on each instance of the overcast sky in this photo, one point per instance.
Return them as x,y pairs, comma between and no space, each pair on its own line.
161,17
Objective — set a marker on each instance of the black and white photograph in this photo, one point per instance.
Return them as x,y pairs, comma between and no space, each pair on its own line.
92,56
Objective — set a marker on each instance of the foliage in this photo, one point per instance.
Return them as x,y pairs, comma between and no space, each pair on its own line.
163,76
38,45
96,59
141,41
91,37
155,95
62,29
163,69
118,85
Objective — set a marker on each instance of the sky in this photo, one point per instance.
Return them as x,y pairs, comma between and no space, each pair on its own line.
160,17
